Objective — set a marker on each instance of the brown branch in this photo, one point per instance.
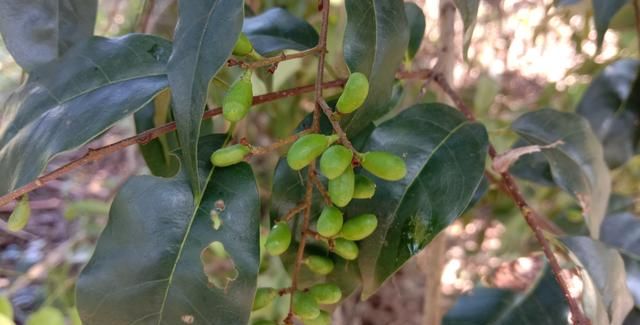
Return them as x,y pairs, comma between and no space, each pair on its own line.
324,6
146,15
336,126
295,210
272,60
145,137
323,191
278,144
509,184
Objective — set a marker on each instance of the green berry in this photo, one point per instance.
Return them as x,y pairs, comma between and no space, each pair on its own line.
346,249
304,306
359,227
20,215
323,319
364,188
329,222
46,315
307,149
326,293
384,165
335,160
238,99
341,188
279,239
319,264
264,296
230,155
243,46
354,94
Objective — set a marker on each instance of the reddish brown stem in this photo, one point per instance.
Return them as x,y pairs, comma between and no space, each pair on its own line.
273,60
323,191
278,144
509,185
145,137
336,126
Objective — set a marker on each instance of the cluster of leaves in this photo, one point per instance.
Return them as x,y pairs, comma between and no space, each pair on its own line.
183,245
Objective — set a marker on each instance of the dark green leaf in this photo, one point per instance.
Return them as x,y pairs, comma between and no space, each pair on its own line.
157,152
606,299
543,304
375,42
577,165
205,36
276,29
603,12
622,231
445,157
70,101
469,13
416,23
147,265
614,115
36,32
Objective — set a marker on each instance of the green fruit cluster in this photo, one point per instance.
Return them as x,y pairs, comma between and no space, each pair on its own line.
339,233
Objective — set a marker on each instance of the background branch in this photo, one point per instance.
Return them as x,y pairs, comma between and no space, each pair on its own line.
145,137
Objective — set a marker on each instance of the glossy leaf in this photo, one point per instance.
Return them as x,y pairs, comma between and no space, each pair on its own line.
375,42
577,166
416,22
147,264
469,12
543,304
72,100
532,167
277,29
157,152
622,231
606,299
603,12
37,32
206,33
445,156
614,115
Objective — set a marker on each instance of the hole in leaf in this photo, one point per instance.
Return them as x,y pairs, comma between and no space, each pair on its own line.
218,266
187,319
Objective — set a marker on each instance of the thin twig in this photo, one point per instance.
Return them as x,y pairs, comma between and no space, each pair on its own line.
145,137
509,184
272,60
278,144
315,127
323,191
336,126
297,209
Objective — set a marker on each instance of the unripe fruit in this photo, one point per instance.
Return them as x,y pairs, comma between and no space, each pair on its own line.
323,319
326,293
319,264
384,165
230,155
264,322
20,215
341,188
243,46
264,296
354,94
359,227
238,99
346,249
279,239
329,222
307,149
364,188
335,160
304,306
